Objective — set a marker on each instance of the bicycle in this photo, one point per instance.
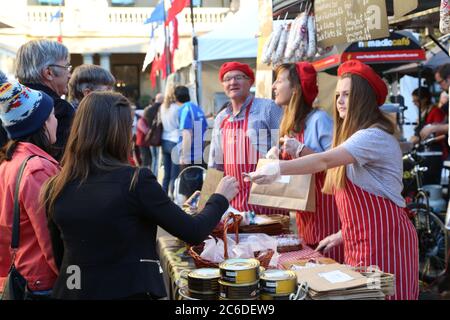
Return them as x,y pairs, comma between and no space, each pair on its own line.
432,234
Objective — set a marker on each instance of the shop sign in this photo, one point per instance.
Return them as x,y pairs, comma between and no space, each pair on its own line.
347,21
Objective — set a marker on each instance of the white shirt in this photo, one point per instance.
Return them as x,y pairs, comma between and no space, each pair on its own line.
170,122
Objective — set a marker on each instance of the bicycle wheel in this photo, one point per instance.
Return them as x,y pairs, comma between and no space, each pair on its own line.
433,242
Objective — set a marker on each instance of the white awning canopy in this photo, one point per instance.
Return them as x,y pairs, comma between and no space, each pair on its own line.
234,38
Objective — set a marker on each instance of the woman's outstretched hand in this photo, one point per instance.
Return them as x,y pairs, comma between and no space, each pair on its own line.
228,187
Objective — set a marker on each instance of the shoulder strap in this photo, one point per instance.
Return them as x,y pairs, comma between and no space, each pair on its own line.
16,221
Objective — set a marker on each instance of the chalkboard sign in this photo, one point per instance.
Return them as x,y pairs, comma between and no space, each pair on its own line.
347,21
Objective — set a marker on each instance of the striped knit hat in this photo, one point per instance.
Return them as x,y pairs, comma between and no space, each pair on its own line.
23,111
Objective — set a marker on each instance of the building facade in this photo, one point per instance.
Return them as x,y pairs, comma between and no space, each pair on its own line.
108,33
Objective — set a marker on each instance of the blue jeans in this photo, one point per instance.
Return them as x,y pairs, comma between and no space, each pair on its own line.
155,160
171,169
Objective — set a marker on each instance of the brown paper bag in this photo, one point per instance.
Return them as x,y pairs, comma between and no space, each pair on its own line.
210,184
321,278
295,192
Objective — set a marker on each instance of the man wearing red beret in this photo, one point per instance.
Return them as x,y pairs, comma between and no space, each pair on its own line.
243,131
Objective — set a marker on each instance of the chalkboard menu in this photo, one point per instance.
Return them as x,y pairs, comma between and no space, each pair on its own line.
347,21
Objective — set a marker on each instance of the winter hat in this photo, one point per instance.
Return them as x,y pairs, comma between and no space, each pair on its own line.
23,111
363,70
308,81
234,65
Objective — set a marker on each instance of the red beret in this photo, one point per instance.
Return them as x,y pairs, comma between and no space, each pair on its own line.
363,70
234,65
308,81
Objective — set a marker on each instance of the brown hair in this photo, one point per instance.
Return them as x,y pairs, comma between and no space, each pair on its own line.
100,140
39,139
295,113
87,76
362,113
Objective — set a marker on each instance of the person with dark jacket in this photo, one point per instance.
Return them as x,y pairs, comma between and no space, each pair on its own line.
104,214
44,65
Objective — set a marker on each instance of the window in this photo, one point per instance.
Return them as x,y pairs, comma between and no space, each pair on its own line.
51,2
120,3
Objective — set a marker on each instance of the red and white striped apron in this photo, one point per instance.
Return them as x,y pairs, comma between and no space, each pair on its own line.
314,226
239,157
378,232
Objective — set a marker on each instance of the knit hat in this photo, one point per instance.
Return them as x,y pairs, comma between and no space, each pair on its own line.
234,65
23,111
363,70
308,81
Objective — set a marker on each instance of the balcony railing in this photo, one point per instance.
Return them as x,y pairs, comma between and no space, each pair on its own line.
118,21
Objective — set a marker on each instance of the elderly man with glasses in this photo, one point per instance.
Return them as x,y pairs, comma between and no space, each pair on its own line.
243,131
44,65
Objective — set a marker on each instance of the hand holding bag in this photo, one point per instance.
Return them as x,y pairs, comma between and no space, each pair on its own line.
296,192
16,285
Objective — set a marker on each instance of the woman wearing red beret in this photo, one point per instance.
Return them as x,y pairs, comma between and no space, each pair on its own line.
306,130
365,175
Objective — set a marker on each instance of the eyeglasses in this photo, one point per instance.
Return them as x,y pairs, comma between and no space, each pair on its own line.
67,67
239,77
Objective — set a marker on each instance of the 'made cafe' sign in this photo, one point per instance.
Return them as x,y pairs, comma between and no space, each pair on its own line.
347,21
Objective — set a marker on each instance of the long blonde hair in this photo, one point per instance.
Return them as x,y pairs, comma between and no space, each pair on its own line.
169,97
294,115
362,113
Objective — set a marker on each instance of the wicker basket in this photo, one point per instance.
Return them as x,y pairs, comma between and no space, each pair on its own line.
195,251
218,231
280,226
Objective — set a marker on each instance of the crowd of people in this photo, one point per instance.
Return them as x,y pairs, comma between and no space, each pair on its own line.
89,195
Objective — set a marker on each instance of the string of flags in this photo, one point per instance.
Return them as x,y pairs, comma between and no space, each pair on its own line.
163,43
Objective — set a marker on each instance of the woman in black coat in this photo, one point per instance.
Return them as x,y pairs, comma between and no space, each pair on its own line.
104,214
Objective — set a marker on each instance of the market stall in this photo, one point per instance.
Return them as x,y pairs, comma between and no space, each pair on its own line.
326,33
175,259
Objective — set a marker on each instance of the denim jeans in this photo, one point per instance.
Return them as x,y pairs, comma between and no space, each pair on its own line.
171,169
155,160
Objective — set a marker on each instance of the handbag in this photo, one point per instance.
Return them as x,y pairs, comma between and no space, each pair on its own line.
154,135
16,285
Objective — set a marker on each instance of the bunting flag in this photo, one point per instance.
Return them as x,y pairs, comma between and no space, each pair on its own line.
154,71
175,36
156,45
160,53
159,67
158,15
176,8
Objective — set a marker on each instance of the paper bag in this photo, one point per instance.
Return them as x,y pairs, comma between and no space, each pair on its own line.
295,192
210,184
331,277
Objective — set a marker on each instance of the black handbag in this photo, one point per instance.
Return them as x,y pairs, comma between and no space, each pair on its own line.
154,135
16,285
